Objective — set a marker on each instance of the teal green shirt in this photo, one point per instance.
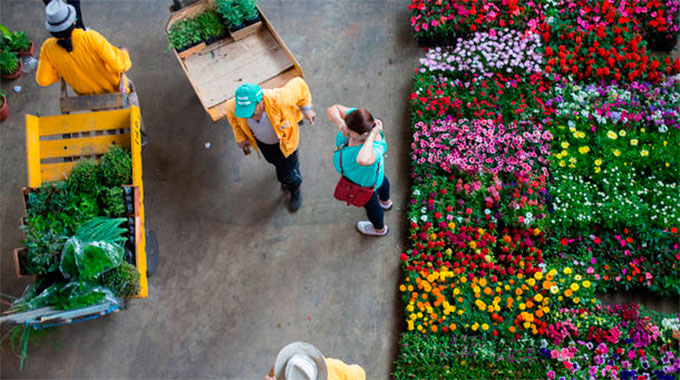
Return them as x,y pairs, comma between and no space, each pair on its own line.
364,176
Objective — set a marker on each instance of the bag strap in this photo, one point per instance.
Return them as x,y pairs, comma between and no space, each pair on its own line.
377,169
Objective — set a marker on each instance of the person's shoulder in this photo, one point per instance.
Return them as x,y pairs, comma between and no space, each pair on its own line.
48,44
89,35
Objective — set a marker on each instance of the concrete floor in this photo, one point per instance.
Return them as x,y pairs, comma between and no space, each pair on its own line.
239,276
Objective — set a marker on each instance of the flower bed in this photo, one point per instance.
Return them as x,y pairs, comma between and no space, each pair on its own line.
537,180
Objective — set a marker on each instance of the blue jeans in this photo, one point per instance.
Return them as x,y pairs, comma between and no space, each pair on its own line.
287,168
374,211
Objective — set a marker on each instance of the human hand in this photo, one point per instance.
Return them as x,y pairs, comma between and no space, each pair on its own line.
125,50
269,377
310,116
378,127
244,144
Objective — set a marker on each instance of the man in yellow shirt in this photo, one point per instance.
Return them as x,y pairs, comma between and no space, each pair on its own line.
268,120
303,361
84,58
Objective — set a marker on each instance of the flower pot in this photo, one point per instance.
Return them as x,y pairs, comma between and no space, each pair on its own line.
662,43
252,20
4,110
20,262
237,27
28,52
16,74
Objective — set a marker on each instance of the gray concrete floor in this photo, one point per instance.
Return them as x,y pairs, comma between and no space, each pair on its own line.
239,276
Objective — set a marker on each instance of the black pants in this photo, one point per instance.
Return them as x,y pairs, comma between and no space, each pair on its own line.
374,211
287,168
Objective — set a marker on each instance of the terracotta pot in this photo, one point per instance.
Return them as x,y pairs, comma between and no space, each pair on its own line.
16,74
4,110
28,52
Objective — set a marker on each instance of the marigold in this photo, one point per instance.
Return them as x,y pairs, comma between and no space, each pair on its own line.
574,286
538,275
612,135
586,284
568,293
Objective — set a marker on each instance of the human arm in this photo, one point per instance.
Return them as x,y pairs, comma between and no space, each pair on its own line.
366,155
118,60
297,91
47,74
336,115
239,135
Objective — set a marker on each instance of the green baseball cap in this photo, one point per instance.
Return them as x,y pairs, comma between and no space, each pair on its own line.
247,97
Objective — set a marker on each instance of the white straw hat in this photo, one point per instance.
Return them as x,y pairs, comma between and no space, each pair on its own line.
300,361
59,16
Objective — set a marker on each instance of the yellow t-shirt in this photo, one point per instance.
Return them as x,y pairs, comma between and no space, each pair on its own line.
93,66
337,370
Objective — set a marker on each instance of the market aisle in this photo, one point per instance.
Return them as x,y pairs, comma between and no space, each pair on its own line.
239,276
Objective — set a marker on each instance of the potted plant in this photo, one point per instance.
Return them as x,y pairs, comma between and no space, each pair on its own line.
21,44
231,14
184,34
4,110
249,10
211,27
10,65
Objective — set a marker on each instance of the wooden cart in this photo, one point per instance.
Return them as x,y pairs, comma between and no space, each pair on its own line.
53,146
254,54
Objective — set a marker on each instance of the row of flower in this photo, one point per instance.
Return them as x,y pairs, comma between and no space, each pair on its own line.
508,242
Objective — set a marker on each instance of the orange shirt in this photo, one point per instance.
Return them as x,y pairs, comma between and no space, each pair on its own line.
93,67
337,370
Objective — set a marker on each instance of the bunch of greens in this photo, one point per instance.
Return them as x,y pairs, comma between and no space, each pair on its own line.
9,63
210,25
184,34
116,167
231,12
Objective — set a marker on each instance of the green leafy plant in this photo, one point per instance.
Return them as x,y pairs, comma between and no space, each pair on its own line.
183,34
123,281
85,176
210,25
113,199
248,9
231,13
9,63
116,167
18,41
94,249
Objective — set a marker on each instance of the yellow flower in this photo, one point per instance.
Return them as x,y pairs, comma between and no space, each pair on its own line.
475,326
617,152
538,297
577,300
612,135
402,287
578,277
622,133
584,149
452,225
522,306
598,162
643,130
538,275
485,326
597,169
667,164
665,143
554,289
564,153
573,160
586,284
574,286
531,282
563,164
634,142
565,145
644,153
566,270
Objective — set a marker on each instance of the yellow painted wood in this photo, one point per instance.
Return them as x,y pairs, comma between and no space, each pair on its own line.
33,151
136,153
82,146
84,122
57,171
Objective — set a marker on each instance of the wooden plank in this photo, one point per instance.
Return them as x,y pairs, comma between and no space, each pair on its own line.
219,111
92,102
56,171
84,122
184,54
84,146
246,31
219,72
33,150
278,39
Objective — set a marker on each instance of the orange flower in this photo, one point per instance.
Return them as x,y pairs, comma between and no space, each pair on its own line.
433,328
530,304
547,285
539,313
512,329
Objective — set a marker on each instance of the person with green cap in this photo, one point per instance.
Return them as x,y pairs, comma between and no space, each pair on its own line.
268,120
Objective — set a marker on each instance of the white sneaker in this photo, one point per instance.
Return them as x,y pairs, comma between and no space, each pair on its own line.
387,206
366,228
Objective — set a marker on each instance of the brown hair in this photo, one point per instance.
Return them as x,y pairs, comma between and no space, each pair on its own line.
360,121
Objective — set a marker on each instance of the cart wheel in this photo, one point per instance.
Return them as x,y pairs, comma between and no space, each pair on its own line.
151,253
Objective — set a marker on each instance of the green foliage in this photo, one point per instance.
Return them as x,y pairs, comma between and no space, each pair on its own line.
116,167
9,63
183,34
113,199
248,9
94,249
18,41
85,176
19,337
210,25
231,13
123,281
79,294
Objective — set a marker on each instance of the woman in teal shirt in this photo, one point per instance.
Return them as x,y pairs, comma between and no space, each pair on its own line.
363,154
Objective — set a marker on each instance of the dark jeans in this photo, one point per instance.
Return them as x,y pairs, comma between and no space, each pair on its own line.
374,211
287,168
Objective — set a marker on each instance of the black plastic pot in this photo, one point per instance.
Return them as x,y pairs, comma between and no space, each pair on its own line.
662,43
238,27
252,20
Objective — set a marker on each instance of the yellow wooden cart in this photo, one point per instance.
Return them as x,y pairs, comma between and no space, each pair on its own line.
53,146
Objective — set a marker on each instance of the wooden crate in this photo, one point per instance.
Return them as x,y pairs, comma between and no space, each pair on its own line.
255,54
55,143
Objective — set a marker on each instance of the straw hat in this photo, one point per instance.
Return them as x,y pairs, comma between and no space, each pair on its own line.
59,16
300,361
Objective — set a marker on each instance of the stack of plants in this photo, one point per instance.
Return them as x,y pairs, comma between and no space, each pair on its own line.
12,46
75,243
212,25
536,185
